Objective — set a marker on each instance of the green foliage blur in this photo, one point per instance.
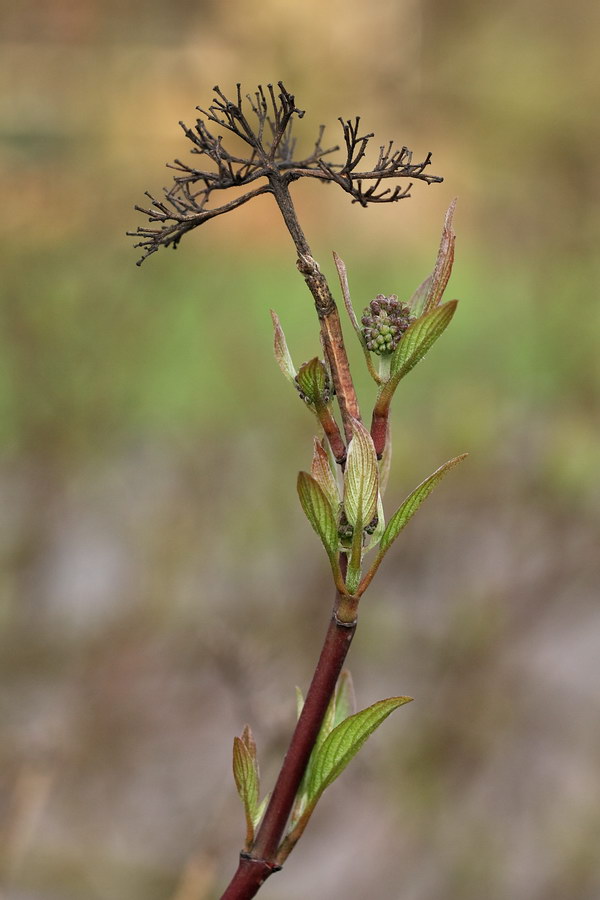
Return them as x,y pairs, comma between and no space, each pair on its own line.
160,586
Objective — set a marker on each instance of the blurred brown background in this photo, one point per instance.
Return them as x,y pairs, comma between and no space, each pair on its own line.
160,586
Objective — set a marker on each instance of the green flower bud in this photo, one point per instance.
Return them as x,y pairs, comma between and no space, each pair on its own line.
384,322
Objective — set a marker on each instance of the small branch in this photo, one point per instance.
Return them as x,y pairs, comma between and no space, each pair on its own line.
170,235
254,868
329,319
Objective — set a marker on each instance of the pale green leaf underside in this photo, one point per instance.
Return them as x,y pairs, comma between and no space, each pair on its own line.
361,479
344,742
318,511
282,354
260,810
321,472
345,701
246,781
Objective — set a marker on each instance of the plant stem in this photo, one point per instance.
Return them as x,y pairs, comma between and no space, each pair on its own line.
327,311
258,864
255,867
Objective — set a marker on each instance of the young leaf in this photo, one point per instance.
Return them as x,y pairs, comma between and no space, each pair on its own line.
361,478
343,744
318,511
245,774
403,515
341,705
419,338
260,809
416,303
321,472
345,701
444,262
343,276
312,379
282,354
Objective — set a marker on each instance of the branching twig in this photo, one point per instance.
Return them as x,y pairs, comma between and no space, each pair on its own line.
271,155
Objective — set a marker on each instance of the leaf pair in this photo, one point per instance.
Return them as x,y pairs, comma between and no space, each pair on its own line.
341,736
319,497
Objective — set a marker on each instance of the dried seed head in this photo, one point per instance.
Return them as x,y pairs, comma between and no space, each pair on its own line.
384,322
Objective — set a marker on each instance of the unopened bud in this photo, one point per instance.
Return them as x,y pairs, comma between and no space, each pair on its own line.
384,322
313,383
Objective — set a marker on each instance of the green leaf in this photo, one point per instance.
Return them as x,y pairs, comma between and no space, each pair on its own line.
260,809
344,742
361,478
345,701
318,511
341,705
418,340
246,777
282,354
403,515
321,472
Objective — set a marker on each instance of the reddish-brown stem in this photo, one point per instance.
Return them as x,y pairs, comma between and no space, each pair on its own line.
330,427
254,868
329,319
379,430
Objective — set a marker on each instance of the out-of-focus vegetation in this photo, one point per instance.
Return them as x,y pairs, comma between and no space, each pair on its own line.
150,449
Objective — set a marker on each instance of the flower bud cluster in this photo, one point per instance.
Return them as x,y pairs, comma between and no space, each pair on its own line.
346,530
384,322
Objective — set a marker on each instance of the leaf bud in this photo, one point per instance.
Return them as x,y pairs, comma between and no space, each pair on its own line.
313,383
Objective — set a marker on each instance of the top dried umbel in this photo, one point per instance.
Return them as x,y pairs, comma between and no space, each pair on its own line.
268,152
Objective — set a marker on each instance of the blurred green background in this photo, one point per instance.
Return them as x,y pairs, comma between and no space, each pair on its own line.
160,586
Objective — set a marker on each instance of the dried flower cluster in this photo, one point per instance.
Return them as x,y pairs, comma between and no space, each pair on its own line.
265,156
